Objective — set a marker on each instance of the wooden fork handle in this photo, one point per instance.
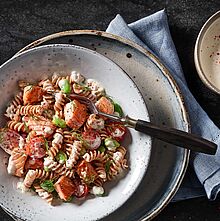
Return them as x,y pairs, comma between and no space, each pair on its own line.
177,137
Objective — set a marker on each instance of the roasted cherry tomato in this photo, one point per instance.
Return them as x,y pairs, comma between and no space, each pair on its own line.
81,190
9,139
36,147
116,130
91,139
34,163
86,172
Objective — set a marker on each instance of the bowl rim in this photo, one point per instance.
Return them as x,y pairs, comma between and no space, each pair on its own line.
135,86
197,61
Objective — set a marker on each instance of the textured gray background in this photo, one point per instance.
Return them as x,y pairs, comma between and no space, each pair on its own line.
23,21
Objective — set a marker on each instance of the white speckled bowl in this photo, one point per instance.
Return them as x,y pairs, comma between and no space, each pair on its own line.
42,61
207,53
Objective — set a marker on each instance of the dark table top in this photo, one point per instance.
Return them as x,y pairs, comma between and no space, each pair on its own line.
23,21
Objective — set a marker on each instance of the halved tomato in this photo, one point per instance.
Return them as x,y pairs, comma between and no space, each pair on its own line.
92,139
116,130
9,139
36,147
34,163
81,190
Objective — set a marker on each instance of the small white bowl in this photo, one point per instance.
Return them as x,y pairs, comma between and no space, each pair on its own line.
207,53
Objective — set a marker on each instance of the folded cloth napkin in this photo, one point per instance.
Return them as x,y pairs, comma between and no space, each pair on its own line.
153,33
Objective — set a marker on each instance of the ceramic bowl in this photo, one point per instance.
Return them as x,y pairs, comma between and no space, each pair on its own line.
43,61
207,53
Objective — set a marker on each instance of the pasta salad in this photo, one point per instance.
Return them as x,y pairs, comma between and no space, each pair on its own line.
56,146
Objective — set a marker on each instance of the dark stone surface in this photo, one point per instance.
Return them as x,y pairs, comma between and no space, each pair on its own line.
22,21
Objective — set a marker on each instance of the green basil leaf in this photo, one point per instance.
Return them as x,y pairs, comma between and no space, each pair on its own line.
46,169
46,144
107,165
101,149
118,109
59,122
47,185
61,157
26,127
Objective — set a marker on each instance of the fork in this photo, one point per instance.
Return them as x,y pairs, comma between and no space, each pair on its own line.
167,134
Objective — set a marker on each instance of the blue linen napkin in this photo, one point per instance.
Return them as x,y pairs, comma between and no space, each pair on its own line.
152,33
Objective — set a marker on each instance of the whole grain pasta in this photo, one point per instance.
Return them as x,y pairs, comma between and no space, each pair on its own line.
62,146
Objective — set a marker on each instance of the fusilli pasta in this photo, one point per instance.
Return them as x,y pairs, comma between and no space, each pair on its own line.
63,147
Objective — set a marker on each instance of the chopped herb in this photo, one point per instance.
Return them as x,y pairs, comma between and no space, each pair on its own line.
28,136
47,185
32,188
26,127
46,144
83,87
34,117
46,169
77,136
69,199
101,149
82,151
48,113
61,157
107,166
89,179
59,122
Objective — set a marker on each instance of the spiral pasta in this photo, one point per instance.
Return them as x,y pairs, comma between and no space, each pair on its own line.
18,99
68,137
56,143
59,103
69,173
43,194
16,162
98,182
29,178
12,108
47,86
30,110
114,170
94,155
56,78
63,147
100,169
17,126
74,154
84,91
